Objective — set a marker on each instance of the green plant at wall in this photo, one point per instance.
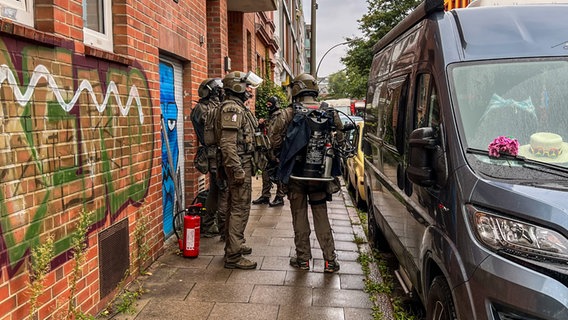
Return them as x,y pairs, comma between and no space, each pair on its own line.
140,235
125,302
266,90
386,286
79,247
40,267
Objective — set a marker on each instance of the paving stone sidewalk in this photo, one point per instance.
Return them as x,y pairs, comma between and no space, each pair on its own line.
200,288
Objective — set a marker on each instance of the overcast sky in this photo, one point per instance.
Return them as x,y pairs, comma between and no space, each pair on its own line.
335,21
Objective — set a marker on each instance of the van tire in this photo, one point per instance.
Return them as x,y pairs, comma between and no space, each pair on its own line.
361,204
440,304
376,238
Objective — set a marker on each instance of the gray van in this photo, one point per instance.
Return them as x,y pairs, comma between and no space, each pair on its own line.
466,169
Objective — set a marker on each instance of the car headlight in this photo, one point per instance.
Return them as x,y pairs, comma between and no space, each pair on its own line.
518,237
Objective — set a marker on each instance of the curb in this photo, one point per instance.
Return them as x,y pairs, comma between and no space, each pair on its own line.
382,302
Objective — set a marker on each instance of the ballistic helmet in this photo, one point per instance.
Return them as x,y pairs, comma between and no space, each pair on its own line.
209,86
273,104
238,81
304,84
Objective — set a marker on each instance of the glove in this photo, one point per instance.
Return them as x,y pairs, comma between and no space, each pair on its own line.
238,175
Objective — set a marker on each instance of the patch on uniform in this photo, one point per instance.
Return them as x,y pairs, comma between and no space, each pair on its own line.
234,118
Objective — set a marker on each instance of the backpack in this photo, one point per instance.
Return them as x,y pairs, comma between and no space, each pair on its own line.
211,127
205,128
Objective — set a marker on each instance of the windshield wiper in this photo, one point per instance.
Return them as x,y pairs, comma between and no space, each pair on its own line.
526,162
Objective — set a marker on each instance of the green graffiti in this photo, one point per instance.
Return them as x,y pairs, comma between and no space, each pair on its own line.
82,147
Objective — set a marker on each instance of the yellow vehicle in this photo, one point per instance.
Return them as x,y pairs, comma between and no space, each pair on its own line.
452,4
355,169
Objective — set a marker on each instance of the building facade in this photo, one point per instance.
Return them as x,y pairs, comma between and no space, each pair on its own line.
289,34
95,138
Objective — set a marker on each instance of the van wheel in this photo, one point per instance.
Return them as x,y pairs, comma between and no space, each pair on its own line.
360,203
440,305
376,238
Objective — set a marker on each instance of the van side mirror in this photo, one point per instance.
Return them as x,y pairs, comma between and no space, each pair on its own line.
422,145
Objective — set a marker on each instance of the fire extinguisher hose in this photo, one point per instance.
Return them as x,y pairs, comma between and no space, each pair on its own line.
177,215
174,223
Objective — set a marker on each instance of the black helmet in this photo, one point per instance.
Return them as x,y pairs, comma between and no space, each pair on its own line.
238,81
273,104
210,87
304,84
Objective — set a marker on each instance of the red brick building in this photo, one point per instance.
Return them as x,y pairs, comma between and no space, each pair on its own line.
94,122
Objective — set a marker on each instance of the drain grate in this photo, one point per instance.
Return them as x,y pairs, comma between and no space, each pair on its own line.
114,256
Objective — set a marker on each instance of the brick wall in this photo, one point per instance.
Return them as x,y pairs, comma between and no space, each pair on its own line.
64,152
217,37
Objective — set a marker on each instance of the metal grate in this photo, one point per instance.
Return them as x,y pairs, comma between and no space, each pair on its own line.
114,256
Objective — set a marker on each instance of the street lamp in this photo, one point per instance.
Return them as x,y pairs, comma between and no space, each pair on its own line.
328,50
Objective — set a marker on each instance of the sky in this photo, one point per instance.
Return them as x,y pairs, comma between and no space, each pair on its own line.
336,20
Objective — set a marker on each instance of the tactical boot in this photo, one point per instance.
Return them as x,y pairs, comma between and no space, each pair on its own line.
261,200
243,263
245,249
300,264
278,201
211,232
331,266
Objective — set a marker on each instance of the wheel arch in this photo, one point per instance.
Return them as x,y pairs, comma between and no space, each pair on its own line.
440,257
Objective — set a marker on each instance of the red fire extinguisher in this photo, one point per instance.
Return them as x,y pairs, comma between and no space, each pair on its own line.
189,242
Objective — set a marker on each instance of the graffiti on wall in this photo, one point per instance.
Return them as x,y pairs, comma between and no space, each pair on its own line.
170,155
76,134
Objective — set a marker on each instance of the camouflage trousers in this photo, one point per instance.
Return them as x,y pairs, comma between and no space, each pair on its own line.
217,206
238,213
298,193
267,186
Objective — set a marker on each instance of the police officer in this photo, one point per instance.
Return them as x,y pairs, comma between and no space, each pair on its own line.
210,93
237,127
301,192
273,112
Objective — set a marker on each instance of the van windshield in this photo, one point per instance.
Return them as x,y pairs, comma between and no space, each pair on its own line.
526,100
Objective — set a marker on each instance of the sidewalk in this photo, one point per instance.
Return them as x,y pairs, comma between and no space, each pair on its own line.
200,288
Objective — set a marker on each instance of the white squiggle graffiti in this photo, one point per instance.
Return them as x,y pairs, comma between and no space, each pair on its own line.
42,72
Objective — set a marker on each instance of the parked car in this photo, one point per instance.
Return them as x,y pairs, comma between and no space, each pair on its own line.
355,168
350,140
466,173
343,105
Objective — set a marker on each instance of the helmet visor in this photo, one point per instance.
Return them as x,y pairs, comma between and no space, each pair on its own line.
252,79
216,83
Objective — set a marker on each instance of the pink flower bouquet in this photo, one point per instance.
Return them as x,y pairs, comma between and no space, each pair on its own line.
503,145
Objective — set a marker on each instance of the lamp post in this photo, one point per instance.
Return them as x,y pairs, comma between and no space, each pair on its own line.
313,38
328,50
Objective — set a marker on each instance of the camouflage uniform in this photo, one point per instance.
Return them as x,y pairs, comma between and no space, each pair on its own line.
273,155
237,125
216,204
302,192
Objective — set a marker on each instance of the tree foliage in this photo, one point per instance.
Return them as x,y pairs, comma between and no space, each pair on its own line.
337,87
382,16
